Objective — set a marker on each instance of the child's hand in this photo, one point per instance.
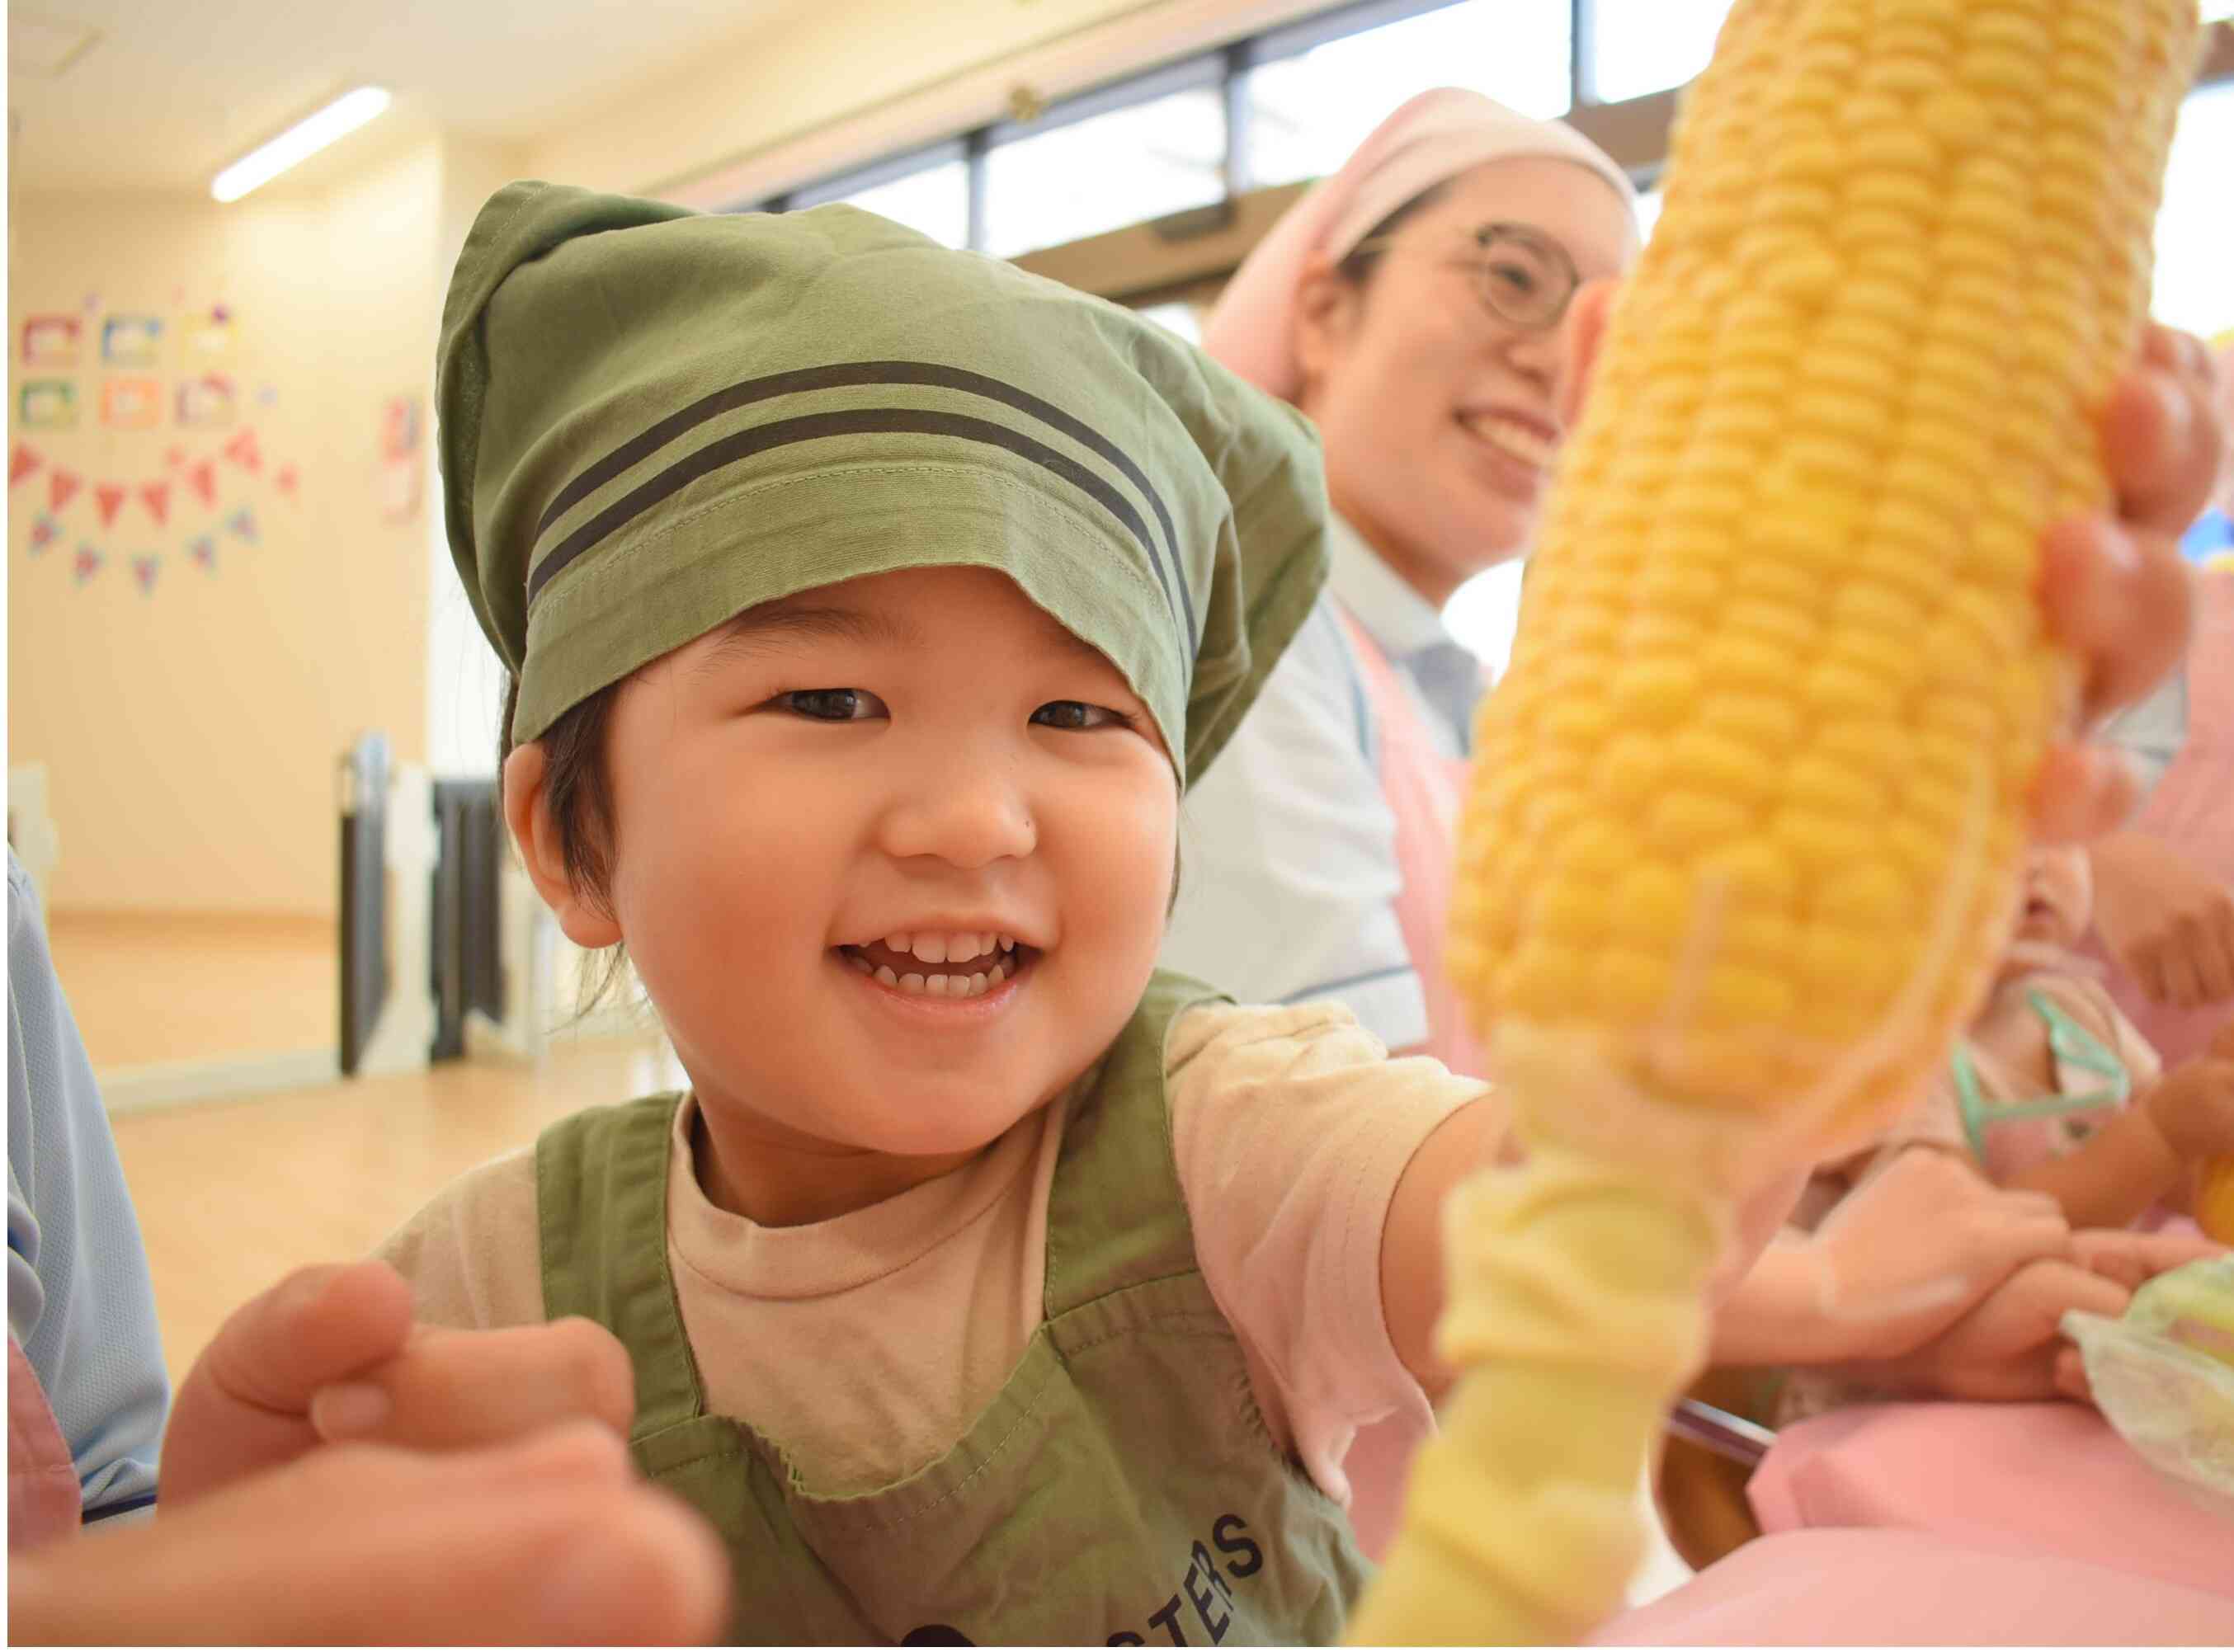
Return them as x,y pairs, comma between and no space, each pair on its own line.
330,1353
545,1540
2114,590
2192,1107
2010,1345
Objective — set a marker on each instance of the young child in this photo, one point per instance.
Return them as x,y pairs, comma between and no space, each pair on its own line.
985,1282
2054,1091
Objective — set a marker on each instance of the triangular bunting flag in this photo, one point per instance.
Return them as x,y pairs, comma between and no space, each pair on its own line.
203,480
174,457
285,480
156,496
204,552
144,569
243,522
86,564
242,450
108,499
44,531
62,487
22,461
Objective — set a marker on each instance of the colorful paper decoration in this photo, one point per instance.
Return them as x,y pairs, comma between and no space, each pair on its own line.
203,551
207,401
46,404
211,337
44,531
242,451
108,499
156,496
132,341
202,478
86,564
242,522
285,479
52,340
62,487
131,404
22,461
144,569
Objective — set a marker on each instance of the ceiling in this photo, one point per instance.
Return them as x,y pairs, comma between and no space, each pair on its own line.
160,94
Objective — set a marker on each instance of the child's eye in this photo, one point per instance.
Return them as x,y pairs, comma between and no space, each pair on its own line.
1076,714
832,705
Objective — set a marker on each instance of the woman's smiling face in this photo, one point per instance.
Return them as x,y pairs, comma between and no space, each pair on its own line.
1440,419
892,857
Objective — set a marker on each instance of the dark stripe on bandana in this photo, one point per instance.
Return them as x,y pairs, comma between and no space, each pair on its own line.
845,374
849,422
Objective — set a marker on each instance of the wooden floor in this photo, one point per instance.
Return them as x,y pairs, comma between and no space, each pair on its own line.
231,1195
149,988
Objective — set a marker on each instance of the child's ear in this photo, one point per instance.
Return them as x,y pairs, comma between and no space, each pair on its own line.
582,916
1586,324
1326,312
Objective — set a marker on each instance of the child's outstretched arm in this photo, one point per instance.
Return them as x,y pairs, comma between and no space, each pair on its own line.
330,1353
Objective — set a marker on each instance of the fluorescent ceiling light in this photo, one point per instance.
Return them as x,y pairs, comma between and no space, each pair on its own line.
299,142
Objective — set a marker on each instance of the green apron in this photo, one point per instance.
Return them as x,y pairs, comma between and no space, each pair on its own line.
1122,1487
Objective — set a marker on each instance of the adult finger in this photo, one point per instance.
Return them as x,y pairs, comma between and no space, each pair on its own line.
2071,1376
455,1388
2131,1260
2160,447
316,1326
2120,601
2081,793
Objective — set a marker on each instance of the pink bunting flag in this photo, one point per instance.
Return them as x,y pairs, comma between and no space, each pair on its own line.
86,564
144,569
62,487
284,480
242,452
22,461
202,478
156,496
44,531
108,499
203,550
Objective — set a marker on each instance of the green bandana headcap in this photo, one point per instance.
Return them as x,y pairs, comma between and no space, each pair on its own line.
652,420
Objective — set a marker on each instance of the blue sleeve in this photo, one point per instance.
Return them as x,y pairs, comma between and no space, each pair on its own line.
79,1299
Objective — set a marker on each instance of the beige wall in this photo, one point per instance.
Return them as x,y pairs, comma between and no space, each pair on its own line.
191,731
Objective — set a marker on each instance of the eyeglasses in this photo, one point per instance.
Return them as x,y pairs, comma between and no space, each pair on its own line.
1521,275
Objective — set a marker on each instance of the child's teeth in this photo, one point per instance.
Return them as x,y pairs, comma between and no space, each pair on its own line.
976,986
1008,944
936,985
997,975
897,942
963,948
858,961
884,975
911,984
931,949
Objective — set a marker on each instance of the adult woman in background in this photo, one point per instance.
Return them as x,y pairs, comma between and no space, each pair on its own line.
1431,307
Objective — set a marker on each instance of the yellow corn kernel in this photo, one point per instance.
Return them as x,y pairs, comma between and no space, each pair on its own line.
1995,165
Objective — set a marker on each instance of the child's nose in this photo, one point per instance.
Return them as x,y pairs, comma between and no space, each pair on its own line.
967,819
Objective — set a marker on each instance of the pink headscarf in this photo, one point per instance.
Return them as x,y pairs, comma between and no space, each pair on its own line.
1433,137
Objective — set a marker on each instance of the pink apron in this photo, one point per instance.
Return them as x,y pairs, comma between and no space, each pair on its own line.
2192,811
43,1490
1424,789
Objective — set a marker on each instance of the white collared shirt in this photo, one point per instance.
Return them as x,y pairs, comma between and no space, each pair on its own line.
1288,869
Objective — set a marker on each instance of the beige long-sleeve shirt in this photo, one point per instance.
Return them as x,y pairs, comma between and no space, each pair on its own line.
865,1345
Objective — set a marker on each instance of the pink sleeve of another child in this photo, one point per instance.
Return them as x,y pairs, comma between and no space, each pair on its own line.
1291,1129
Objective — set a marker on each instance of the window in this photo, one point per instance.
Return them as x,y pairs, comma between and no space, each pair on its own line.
1307,113
1647,209
1106,171
935,201
1647,46
2219,11
2195,231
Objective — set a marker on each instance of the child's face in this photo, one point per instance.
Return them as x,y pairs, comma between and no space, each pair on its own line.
2058,896
917,755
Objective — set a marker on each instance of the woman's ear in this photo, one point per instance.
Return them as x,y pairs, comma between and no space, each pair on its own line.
1586,331
1327,307
582,915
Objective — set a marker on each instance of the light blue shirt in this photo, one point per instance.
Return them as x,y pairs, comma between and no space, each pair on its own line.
79,1300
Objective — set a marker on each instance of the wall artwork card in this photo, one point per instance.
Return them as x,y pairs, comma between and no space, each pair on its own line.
131,404
52,340
46,404
209,335
132,341
207,403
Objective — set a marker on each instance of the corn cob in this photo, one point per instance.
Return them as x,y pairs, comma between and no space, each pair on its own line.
1742,844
